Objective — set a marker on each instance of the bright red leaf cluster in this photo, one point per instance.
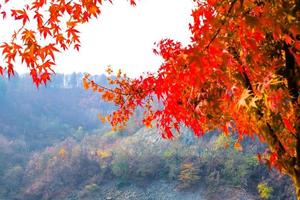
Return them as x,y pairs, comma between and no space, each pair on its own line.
239,74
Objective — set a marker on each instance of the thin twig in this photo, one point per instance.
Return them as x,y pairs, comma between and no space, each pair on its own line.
120,93
107,89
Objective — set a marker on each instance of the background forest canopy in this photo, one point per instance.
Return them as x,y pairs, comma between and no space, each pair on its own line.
240,73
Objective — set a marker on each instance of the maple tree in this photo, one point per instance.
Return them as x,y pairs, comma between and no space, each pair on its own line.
239,74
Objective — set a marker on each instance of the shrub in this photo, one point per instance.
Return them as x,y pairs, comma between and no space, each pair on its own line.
188,175
120,166
264,190
149,166
91,187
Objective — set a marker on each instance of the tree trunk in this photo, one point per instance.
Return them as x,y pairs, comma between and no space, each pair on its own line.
296,169
296,181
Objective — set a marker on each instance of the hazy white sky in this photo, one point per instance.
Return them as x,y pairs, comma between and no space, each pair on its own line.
124,37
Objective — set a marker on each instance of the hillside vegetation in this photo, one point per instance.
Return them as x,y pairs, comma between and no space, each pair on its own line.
52,146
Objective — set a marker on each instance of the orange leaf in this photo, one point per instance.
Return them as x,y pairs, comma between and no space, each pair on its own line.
62,152
237,146
101,118
288,125
85,83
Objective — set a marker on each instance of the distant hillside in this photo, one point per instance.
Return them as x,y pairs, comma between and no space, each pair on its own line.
49,113
52,146
140,165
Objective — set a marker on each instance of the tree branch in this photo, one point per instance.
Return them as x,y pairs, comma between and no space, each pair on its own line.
265,127
291,73
105,88
219,29
137,91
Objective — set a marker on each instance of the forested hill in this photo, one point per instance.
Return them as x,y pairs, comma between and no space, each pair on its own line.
49,113
53,146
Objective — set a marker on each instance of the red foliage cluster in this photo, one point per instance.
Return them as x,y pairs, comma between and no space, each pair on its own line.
239,74
46,27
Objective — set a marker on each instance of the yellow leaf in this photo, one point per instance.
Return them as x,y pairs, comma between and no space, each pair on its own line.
101,118
291,18
103,154
237,146
62,152
252,102
109,70
245,95
119,73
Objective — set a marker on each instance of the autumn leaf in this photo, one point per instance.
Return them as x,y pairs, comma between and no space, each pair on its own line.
103,154
94,10
20,15
132,2
85,83
101,118
288,39
45,77
39,19
243,98
3,13
62,152
237,146
288,125
109,70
